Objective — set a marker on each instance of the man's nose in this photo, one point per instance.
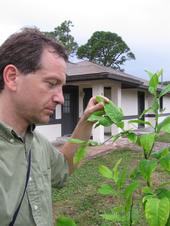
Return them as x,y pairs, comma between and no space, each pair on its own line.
58,96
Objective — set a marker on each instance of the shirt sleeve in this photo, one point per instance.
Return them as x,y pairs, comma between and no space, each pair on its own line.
56,162
59,168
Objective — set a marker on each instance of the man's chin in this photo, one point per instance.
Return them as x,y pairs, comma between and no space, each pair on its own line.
42,121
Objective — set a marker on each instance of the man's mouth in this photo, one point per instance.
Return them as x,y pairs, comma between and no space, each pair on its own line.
50,110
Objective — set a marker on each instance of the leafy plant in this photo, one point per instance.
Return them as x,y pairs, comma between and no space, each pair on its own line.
65,221
154,199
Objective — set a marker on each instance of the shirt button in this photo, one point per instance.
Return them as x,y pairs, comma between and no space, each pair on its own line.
30,179
11,140
35,207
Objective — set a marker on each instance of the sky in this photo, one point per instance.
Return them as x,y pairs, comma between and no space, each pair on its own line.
143,24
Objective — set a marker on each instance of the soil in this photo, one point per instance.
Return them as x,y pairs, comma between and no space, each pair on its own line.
122,143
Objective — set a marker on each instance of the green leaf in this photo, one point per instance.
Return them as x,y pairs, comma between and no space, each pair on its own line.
135,173
129,194
168,222
155,105
165,90
147,141
106,189
115,137
146,197
164,125
100,99
153,83
165,162
105,121
115,171
121,179
149,73
97,124
99,113
147,191
163,152
94,118
113,112
120,124
105,172
159,73
113,217
163,192
146,167
157,211
130,189
76,141
140,122
65,221
144,112
92,143
80,154
132,137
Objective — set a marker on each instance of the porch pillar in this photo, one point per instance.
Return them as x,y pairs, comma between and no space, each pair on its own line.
98,133
116,96
81,96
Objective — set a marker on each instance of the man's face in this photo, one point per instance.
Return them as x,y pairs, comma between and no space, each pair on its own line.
38,93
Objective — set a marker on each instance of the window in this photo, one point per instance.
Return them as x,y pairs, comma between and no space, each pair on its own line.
66,106
161,103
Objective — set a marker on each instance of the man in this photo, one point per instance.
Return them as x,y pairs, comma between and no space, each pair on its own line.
32,74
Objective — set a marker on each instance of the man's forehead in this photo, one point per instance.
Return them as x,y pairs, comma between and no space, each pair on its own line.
49,56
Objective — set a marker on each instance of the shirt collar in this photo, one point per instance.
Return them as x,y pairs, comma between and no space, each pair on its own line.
9,133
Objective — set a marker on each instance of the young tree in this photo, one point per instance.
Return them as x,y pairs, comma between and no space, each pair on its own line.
107,49
62,35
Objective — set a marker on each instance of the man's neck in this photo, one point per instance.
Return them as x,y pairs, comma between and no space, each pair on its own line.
10,118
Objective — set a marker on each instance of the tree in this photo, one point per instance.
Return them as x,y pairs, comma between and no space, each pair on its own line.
62,35
106,48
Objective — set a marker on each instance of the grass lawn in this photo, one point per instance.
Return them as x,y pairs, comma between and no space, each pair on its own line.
165,137
80,200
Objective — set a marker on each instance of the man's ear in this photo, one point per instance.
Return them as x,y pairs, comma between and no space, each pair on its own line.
10,75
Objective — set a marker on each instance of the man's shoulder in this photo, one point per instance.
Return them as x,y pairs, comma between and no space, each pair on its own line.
41,141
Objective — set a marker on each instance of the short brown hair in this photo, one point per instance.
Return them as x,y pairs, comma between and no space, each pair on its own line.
24,49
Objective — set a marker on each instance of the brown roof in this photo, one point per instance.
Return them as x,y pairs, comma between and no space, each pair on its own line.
86,70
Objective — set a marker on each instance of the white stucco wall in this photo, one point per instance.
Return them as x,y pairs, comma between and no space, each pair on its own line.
58,112
98,133
51,132
81,96
129,102
166,103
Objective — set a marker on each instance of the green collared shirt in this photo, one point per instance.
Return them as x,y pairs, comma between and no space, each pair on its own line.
48,167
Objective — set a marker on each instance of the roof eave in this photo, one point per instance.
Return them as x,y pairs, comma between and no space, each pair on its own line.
101,76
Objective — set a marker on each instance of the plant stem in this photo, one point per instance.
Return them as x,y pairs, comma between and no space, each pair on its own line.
130,217
148,183
164,184
106,140
155,127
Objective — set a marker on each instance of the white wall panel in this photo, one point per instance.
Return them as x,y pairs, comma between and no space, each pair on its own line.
51,132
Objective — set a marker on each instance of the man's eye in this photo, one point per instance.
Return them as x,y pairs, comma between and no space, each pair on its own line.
52,84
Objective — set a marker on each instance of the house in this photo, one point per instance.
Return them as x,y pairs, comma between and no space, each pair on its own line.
85,79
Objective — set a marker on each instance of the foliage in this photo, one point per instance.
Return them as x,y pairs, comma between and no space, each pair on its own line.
155,199
65,221
79,198
106,48
62,34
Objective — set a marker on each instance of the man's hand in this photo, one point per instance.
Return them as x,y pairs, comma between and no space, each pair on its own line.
93,106
82,130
